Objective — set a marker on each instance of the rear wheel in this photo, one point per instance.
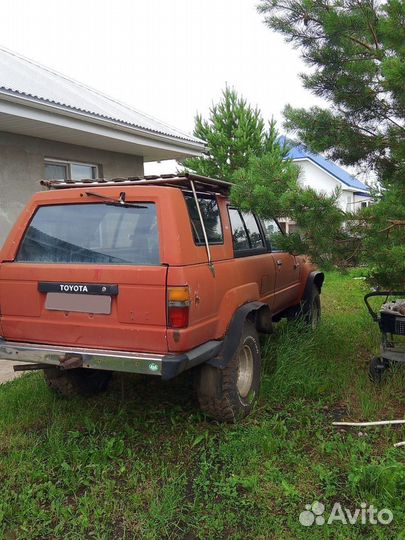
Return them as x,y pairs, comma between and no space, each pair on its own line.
73,382
229,394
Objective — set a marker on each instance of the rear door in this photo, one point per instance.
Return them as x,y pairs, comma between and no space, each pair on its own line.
87,274
286,268
250,250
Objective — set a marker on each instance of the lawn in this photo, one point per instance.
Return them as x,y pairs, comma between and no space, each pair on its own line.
142,462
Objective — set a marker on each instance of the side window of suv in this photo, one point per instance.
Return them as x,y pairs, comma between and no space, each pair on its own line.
271,230
255,237
245,232
239,233
211,217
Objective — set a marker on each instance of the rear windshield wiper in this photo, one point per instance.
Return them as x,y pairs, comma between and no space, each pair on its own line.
113,202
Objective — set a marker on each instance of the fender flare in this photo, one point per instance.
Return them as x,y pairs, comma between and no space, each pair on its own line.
232,337
316,279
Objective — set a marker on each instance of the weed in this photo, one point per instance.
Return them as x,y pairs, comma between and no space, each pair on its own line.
147,464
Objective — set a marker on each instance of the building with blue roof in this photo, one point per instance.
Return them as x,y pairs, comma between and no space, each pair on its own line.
324,176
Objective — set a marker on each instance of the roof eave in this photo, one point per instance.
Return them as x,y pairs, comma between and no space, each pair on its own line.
189,146
345,184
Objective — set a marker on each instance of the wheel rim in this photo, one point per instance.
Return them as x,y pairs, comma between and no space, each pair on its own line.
245,371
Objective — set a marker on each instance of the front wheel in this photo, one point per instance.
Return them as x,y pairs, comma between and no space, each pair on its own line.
312,315
309,311
229,394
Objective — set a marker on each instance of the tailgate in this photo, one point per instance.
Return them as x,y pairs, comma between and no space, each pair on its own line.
87,275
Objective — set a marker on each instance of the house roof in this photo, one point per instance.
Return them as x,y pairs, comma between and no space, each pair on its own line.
300,152
35,85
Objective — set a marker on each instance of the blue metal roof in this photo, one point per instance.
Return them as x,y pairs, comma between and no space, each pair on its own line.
300,152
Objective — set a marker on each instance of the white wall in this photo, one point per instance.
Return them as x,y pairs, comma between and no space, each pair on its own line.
359,199
322,182
167,166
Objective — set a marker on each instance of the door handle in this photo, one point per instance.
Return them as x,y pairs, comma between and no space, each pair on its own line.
279,262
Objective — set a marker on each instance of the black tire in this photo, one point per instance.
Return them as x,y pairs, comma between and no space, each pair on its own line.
229,394
312,311
74,382
309,311
377,369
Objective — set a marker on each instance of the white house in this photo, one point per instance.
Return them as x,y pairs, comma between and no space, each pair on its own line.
56,128
325,176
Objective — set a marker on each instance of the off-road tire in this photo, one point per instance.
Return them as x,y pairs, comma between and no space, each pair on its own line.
74,382
309,311
312,312
217,390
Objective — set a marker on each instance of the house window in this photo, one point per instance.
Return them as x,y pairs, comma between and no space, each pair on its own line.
68,170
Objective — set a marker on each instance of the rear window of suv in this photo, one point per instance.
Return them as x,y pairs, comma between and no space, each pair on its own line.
92,234
211,217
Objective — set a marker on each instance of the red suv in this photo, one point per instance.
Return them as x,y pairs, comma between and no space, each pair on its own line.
154,276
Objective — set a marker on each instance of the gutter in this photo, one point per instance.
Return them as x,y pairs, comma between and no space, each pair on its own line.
349,187
31,102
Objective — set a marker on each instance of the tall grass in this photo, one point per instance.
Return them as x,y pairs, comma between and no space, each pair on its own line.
143,462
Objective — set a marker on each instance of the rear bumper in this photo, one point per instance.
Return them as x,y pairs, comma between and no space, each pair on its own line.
167,366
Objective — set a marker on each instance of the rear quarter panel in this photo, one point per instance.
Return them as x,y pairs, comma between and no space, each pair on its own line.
216,297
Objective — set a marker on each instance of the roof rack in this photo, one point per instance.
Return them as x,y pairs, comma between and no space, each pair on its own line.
201,183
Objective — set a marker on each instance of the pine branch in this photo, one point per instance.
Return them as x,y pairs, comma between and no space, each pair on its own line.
394,223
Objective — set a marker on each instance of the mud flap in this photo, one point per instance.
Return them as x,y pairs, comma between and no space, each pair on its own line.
233,335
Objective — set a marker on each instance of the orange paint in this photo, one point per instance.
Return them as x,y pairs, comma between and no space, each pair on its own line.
139,312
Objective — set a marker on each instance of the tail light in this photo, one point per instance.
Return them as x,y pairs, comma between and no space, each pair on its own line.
178,307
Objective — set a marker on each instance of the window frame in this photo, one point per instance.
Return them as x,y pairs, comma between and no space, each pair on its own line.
111,265
204,196
243,251
268,244
68,164
250,252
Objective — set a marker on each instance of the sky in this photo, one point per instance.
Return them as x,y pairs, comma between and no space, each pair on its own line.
168,58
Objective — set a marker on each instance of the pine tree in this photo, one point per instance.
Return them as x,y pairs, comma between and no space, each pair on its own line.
234,131
266,180
355,50
269,186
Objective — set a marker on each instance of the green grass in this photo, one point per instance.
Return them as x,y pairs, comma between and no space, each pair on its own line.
142,462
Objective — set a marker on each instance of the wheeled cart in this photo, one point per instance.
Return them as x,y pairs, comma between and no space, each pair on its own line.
391,321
